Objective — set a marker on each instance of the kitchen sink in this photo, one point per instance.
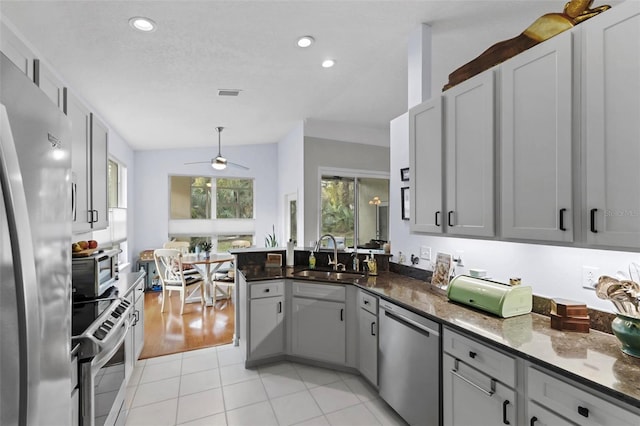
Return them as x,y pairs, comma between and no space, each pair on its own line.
329,275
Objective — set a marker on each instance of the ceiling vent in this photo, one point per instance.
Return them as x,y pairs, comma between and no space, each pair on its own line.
228,92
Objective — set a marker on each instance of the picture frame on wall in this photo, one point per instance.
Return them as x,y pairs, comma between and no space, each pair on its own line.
404,193
404,174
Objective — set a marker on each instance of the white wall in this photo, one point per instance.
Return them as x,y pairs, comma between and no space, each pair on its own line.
551,271
152,171
291,179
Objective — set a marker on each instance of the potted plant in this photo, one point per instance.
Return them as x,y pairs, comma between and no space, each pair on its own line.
271,240
206,248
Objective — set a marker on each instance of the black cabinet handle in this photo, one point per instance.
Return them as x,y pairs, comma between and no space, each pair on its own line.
279,307
373,324
341,314
472,354
366,302
504,412
449,215
562,228
438,218
534,419
583,411
266,290
593,221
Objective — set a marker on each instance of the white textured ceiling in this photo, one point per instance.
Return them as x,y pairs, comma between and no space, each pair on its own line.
159,90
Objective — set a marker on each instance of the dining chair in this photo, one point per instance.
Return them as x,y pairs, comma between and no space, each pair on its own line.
183,246
172,276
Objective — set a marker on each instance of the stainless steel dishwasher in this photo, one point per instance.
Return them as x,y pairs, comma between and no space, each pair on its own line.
409,364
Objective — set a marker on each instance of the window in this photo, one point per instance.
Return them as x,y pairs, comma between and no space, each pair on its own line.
190,197
115,235
354,210
234,198
218,210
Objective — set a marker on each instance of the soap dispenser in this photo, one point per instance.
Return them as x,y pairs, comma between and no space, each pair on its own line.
312,261
372,264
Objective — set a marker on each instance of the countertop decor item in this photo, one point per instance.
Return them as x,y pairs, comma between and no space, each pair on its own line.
627,330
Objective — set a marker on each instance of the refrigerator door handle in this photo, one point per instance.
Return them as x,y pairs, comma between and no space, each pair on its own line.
28,308
74,195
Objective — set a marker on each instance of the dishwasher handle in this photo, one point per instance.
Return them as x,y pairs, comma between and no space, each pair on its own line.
411,323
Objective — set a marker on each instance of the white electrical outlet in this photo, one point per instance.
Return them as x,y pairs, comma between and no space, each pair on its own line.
425,252
590,277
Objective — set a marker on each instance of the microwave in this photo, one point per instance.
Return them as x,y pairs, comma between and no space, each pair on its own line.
94,275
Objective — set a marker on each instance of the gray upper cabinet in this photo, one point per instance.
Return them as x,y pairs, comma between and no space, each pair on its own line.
425,167
611,109
18,52
47,81
88,166
80,118
469,153
99,185
536,139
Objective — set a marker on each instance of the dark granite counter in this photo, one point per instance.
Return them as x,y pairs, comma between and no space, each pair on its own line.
594,359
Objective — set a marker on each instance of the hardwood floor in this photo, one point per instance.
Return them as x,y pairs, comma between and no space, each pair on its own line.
199,327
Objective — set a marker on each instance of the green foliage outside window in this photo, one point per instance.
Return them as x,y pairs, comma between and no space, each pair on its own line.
200,198
234,198
338,203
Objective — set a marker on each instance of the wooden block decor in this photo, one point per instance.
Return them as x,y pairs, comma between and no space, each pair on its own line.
545,27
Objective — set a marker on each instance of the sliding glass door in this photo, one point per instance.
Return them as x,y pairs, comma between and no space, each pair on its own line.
354,210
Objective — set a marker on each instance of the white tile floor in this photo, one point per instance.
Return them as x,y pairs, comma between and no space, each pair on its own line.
211,387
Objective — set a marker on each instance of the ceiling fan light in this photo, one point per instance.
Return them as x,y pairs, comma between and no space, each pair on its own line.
219,163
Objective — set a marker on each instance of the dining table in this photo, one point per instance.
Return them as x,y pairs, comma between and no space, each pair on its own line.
207,268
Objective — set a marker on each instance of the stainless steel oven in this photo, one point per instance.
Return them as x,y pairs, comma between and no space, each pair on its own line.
102,358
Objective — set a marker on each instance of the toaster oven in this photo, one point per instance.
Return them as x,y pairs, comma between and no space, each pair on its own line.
94,275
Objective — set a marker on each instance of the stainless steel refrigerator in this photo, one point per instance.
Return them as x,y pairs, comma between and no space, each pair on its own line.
35,254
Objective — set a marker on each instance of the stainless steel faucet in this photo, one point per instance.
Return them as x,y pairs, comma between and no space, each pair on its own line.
333,262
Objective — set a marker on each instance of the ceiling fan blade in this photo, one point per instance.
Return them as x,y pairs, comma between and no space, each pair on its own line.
236,165
198,162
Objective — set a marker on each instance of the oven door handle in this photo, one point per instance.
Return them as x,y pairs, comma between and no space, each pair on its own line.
103,357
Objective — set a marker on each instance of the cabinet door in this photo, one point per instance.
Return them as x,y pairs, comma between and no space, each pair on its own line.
17,52
368,345
539,416
99,154
318,330
139,328
49,83
469,152
81,172
267,327
536,140
425,167
611,109
469,399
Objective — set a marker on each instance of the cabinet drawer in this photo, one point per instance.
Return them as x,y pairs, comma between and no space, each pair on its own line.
540,416
319,291
497,365
368,302
575,404
270,289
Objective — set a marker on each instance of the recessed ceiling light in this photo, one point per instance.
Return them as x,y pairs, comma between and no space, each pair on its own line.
143,24
305,41
328,63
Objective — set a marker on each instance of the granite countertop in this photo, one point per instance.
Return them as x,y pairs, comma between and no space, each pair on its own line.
126,282
593,358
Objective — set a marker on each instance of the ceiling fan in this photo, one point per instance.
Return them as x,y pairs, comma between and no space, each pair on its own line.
220,162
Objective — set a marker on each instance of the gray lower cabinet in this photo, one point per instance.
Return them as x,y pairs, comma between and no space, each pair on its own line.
478,383
318,326
567,403
368,336
266,320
